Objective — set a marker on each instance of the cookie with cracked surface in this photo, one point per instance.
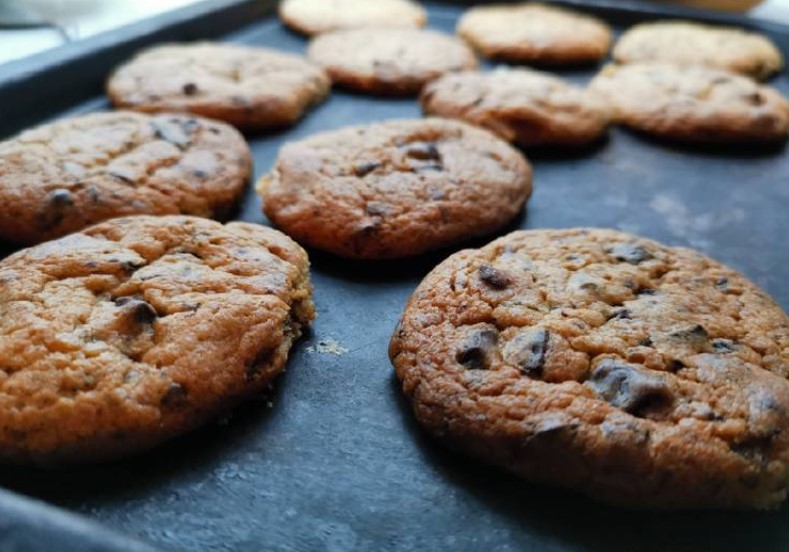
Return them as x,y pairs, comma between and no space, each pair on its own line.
117,338
688,43
64,176
389,61
248,87
395,189
694,104
636,373
523,106
535,33
312,17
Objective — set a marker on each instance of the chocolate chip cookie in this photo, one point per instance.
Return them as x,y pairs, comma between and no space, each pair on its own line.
687,43
319,16
141,328
395,189
636,373
523,106
694,104
251,88
388,61
67,175
535,33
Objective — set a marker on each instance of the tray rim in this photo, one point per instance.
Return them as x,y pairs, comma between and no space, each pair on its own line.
202,21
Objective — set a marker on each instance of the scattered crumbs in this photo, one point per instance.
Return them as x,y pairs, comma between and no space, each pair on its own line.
327,347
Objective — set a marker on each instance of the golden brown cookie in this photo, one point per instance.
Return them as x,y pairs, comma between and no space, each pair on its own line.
388,61
688,43
694,103
319,16
141,328
535,33
523,106
64,176
395,189
636,373
251,88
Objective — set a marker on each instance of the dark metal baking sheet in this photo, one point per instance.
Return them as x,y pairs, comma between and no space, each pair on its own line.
336,462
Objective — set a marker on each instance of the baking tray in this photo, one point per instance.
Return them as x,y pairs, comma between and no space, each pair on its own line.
333,460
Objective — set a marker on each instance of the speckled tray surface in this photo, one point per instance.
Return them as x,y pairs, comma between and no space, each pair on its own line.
336,462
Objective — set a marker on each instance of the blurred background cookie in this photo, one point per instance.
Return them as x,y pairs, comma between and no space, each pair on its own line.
248,87
688,43
388,61
535,33
694,103
523,106
312,17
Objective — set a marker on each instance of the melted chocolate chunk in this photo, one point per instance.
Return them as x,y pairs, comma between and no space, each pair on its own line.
364,168
190,89
723,346
695,335
475,351
141,311
174,131
635,390
494,277
175,397
58,201
423,151
263,358
621,314
528,350
755,448
633,254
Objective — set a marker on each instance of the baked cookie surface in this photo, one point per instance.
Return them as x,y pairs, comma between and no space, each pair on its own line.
535,33
694,104
636,373
319,16
389,61
135,330
523,106
395,189
687,43
248,87
64,176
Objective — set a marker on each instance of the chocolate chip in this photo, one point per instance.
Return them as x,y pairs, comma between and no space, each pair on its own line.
633,254
365,168
494,277
260,361
475,351
423,151
723,346
190,89
621,314
646,342
53,212
693,334
755,99
528,350
755,448
377,208
647,291
120,176
141,311
722,284
675,365
635,390
173,131
175,397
